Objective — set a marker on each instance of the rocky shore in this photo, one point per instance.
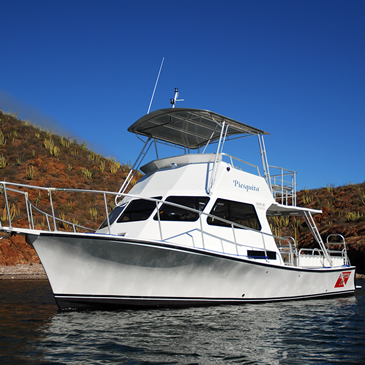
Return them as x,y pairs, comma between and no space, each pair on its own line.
23,272
36,272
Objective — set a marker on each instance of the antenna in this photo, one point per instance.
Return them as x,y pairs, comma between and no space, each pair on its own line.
175,99
158,76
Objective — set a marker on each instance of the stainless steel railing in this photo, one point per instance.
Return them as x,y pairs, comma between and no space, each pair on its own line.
286,245
53,221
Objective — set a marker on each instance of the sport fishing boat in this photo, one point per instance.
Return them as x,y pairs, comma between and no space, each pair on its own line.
193,231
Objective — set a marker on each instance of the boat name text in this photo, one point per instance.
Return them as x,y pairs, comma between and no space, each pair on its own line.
240,185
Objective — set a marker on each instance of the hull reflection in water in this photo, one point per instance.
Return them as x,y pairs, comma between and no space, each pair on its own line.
314,331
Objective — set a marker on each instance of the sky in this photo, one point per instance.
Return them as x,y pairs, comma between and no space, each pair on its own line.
296,69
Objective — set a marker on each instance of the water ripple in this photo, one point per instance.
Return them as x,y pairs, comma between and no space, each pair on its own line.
311,332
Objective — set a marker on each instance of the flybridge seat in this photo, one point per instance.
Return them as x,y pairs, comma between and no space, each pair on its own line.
176,161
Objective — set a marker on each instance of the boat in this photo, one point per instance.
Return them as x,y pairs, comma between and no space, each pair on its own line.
193,231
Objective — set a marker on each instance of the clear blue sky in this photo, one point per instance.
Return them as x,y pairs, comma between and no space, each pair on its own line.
295,69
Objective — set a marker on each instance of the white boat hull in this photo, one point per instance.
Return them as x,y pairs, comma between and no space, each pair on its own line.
88,271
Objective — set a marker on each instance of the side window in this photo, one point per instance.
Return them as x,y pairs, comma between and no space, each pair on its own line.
171,213
138,210
240,213
113,216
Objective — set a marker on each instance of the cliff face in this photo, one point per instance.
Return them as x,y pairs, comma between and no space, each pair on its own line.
30,155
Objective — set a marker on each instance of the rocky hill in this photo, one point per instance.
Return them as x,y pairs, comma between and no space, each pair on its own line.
343,212
30,155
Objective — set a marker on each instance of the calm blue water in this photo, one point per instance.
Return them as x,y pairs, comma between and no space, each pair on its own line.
32,331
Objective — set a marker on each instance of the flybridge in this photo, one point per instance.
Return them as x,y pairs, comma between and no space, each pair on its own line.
195,129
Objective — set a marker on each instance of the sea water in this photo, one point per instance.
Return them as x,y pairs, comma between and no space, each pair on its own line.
32,331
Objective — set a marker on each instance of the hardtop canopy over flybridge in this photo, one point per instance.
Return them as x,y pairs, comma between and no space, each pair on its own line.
190,128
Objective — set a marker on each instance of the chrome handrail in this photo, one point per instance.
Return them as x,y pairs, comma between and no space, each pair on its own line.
283,188
289,248
6,186
341,243
232,159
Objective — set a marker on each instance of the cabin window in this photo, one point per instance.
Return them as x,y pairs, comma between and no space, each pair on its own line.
138,210
171,213
113,216
240,213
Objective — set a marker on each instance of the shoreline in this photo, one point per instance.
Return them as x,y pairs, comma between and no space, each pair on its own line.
23,272
36,272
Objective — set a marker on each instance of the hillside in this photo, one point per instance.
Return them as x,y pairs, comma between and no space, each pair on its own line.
30,155
343,212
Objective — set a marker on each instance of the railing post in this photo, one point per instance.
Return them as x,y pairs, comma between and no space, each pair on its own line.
214,170
265,163
48,224
51,201
106,211
201,229
312,226
27,205
263,241
291,261
135,167
234,237
159,221
7,204
282,187
31,217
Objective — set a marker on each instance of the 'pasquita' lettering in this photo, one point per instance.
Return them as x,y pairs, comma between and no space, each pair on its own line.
238,184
